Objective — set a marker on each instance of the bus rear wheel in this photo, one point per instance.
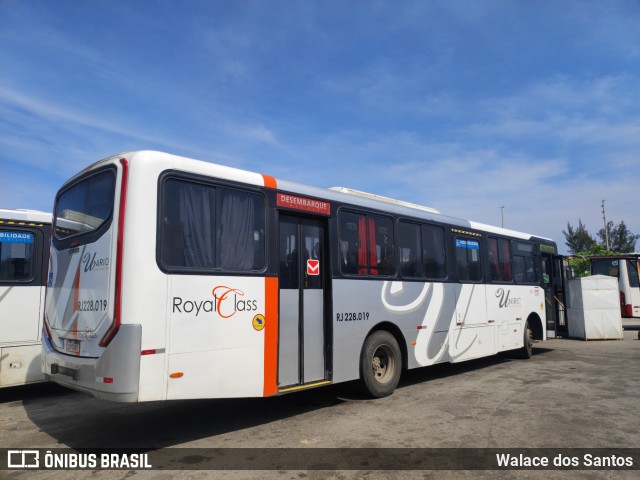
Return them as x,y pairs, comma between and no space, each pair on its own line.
380,364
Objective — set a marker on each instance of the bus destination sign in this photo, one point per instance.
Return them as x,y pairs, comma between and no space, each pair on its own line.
301,203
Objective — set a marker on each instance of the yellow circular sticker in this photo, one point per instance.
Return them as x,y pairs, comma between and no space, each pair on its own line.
258,322
541,306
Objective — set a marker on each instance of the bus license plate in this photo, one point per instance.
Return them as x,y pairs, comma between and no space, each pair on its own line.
69,372
72,346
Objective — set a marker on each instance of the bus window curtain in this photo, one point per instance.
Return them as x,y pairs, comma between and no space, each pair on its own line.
373,256
506,259
237,251
196,220
362,246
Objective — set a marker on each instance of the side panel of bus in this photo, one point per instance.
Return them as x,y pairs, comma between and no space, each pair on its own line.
204,334
630,287
217,336
440,322
22,277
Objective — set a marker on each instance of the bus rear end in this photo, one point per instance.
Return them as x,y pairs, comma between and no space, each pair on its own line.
626,271
630,288
84,342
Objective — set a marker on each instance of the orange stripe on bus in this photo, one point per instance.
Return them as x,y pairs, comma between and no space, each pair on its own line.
76,289
271,337
76,304
269,181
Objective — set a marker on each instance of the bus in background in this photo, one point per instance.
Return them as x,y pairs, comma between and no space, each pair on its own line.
174,278
24,248
625,268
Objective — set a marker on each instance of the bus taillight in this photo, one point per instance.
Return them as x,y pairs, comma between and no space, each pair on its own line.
626,310
115,325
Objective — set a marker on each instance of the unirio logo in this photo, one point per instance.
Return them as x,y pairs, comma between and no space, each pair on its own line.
92,263
505,300
227,301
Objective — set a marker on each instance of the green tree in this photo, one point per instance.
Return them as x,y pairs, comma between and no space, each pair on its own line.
578,240
621,240
582,266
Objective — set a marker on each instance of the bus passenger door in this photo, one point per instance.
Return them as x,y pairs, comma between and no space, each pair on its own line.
303,282
553,280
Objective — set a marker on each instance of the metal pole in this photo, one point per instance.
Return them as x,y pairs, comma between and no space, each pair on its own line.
502,216
606,229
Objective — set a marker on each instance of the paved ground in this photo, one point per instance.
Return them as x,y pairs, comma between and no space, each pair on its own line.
570,394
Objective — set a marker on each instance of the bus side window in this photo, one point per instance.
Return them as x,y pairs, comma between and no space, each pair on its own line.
499,260
189,214
241,215
349,243
370,247
524,263
409,244
433,252
494,264
16,256
172,245
383,244
205,227
504,254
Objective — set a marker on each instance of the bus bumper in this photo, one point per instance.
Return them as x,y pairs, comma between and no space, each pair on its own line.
113,376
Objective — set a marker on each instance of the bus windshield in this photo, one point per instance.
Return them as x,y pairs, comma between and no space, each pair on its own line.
605,267
85,206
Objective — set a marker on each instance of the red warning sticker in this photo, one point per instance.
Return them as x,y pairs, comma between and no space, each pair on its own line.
313,266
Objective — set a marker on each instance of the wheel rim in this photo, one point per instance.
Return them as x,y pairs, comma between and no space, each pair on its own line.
383,364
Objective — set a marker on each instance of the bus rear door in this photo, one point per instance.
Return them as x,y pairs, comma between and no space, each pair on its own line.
304,283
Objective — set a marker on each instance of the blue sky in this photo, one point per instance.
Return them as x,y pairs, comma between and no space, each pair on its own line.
465,106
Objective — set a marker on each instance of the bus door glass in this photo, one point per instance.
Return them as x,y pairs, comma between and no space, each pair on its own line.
547,282
553,283
303,280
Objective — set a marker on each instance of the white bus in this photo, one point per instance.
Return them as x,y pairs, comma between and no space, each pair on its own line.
174,278
24,247
625,268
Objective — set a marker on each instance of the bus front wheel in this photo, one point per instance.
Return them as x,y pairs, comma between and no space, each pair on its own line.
527,349
380,364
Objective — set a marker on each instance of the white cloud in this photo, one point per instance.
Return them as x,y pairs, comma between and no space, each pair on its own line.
593,111
81,127
462,106
32,190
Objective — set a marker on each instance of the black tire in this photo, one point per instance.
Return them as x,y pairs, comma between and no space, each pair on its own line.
527,349
380,364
